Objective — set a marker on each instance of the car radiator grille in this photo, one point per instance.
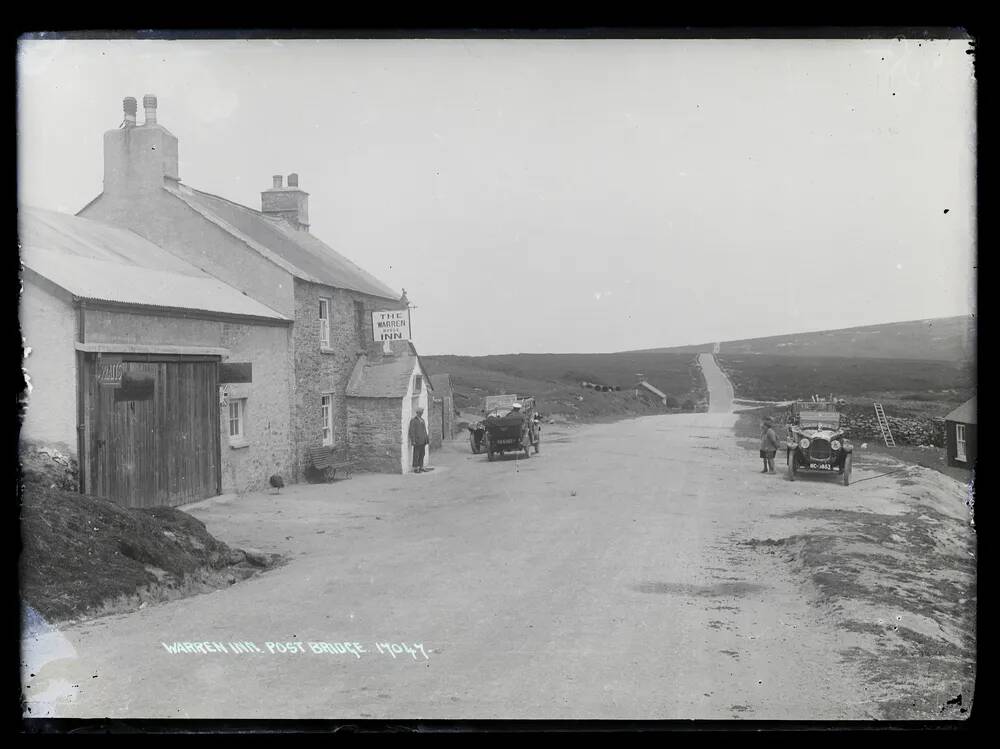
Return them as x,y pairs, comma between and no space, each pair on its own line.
819,450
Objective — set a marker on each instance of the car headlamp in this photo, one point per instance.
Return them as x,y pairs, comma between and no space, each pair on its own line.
835,445
804,443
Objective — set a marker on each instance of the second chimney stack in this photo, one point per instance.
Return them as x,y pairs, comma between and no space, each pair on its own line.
289,203
149,104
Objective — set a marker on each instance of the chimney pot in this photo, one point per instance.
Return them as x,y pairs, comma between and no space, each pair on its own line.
130,107
277,181
149,104
293,180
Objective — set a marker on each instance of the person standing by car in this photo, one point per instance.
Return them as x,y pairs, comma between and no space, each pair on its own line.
768,445
419,439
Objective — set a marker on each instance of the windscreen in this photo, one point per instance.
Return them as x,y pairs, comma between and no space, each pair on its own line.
828,419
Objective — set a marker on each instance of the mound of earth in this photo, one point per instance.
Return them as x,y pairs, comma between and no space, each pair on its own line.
83,555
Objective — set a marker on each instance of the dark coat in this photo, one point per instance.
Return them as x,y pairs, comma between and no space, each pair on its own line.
418,431
768,439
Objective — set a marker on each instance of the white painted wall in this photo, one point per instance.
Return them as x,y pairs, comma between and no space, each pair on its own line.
48,324
410,404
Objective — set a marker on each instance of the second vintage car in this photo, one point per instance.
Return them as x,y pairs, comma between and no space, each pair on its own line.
817,441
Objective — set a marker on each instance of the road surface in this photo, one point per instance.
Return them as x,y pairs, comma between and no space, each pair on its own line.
720,390
625,572
636,570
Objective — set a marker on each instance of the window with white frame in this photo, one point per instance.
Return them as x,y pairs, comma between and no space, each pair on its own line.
237,419
326,410
960,453
324,323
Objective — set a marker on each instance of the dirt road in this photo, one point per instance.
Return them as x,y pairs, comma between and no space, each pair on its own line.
720,389
639,570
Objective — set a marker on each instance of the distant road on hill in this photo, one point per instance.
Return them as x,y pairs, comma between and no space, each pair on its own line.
947,339
720,390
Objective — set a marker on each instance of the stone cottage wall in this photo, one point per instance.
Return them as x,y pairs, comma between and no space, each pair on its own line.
321,370
373,431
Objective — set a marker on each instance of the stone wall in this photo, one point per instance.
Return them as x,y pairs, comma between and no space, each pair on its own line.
449,414
373,431
906,429
326,370
434,421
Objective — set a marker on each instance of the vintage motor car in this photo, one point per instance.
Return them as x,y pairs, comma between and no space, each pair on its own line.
498,433
817,441
494,406
514,432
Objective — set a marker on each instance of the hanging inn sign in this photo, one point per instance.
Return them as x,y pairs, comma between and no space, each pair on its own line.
391,325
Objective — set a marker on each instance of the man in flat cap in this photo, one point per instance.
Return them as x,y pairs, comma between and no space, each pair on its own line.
419,439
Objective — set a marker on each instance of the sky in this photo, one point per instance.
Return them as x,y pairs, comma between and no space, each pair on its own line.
565,195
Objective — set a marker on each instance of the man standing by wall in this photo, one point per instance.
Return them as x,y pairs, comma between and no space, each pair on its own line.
419,439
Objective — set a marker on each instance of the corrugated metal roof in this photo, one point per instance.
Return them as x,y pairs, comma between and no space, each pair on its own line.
96,261
309,258
84,237
120,283
964,414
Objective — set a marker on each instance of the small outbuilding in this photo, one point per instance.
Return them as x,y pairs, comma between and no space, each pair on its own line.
960,435
655,391
164,383
385,389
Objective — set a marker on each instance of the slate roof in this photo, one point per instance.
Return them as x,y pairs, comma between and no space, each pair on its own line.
386,377
299,252
964,414
95,261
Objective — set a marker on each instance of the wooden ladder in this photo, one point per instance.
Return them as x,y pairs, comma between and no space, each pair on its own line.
883,424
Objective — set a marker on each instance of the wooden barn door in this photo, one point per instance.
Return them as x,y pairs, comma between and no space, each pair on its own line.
161,448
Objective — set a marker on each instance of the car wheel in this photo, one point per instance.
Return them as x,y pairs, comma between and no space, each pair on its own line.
472,443
847,470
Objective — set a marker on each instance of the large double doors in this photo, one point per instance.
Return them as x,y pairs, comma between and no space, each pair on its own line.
151,429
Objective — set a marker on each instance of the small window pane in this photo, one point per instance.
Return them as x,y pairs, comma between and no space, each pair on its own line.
326,412
236,411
